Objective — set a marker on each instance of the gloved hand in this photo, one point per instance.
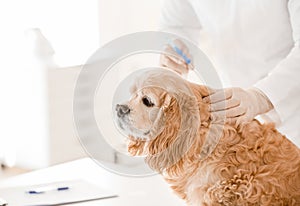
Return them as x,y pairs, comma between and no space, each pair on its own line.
237,105
174,60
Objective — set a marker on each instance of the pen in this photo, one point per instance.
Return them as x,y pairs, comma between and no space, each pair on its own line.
41,191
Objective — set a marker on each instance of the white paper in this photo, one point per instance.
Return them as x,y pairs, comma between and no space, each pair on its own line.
79,191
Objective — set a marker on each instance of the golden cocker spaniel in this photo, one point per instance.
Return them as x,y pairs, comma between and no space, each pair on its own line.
207,162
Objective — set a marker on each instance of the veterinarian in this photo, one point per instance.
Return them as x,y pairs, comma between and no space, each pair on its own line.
255,48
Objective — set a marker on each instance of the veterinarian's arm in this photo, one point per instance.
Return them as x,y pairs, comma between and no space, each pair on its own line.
178,17
282,85
279,90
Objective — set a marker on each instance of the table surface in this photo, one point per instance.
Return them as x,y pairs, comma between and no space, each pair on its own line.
146,191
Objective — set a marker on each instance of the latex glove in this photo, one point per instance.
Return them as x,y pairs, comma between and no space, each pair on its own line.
173,60
237,105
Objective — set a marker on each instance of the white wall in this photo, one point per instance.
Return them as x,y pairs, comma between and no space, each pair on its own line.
120,17
72,28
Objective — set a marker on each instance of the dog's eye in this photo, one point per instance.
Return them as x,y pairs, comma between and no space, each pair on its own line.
147,102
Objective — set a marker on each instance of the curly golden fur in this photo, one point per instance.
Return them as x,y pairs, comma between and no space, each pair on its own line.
251,164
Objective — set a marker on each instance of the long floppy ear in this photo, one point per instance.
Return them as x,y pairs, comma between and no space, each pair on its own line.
160,144
178,136
135,146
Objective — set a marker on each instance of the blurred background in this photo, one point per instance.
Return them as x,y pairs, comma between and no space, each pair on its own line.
42,46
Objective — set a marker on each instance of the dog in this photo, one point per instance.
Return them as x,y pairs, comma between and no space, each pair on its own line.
206,161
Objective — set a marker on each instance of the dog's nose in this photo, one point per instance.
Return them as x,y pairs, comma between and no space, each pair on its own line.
122,110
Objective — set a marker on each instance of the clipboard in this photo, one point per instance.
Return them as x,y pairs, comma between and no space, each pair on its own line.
78,191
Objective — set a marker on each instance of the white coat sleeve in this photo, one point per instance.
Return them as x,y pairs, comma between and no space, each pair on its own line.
179,17
282,85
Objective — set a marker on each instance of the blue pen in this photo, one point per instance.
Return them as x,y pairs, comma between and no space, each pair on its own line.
39,191
179,51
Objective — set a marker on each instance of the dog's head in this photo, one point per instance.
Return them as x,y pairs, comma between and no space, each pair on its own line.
143,114
162,119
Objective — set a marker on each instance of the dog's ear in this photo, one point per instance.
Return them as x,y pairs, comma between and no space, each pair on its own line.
177,137
135,146
159,149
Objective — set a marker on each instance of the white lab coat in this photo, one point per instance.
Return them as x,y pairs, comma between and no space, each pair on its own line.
250,43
